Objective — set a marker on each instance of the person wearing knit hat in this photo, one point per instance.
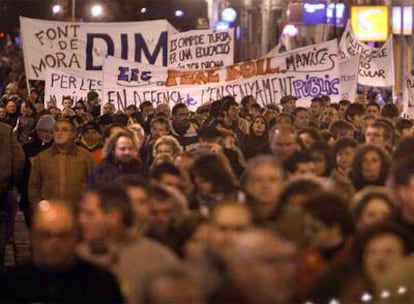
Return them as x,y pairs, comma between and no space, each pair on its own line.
45,122
43,140
91,137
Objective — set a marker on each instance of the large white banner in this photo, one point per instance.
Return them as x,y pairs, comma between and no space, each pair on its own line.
61,83
201,49
83,46
349,77
311,72
376,67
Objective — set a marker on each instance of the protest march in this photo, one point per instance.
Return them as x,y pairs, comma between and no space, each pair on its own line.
155,166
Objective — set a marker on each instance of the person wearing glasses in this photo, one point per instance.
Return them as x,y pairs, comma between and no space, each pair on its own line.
60,171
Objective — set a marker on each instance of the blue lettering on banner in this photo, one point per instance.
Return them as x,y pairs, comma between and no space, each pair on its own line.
314,86
133,74
141,49
90,37
141,45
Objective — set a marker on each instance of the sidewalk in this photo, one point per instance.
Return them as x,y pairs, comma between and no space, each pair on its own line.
18,252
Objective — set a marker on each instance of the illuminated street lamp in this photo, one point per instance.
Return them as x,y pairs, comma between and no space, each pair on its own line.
96,10
56,9
179,13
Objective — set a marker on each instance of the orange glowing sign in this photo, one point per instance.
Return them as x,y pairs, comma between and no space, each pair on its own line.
370,23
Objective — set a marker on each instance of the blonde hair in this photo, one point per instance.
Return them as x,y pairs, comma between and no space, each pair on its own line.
170,141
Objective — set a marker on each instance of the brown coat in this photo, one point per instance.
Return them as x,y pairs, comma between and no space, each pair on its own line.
11,157
60,174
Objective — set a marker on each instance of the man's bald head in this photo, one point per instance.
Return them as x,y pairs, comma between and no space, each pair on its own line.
54,234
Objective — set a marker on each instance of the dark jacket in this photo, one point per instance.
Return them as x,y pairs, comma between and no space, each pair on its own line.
11,158
82,283
108,170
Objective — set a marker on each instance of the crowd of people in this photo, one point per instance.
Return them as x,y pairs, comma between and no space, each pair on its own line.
235,202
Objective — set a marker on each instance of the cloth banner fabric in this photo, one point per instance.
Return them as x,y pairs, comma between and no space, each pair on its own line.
82,47
201,49
376,67
310,72
408,103
349,77
61,83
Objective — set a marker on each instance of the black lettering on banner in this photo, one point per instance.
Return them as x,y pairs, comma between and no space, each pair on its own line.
185,54
56,60
302,61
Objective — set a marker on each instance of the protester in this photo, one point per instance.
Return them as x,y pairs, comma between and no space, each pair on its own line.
61,170
56,273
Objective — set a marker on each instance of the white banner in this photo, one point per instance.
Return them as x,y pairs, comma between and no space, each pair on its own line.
349,77
408,103
201,49
313,71
61,83
376,66
83,46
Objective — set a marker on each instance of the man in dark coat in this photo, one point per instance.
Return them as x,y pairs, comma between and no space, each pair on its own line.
56,274
43,140
11,166
121,157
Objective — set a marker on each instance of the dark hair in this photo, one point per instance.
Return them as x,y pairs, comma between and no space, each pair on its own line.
299,109
114,197
339,128
326,151
403,171
121,119
245,100
178,106
385,227
404,148
108,129
353,110
159,170
373,104
303,185
132,180
312,132
343,143
213,168
344,102
228,101
290,116
299,157
109,148
390,110
132,107
145,104
387,128
403,123
330,209
321,101
358,180
363,197
160,120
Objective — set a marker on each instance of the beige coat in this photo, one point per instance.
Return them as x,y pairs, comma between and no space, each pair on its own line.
60,174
